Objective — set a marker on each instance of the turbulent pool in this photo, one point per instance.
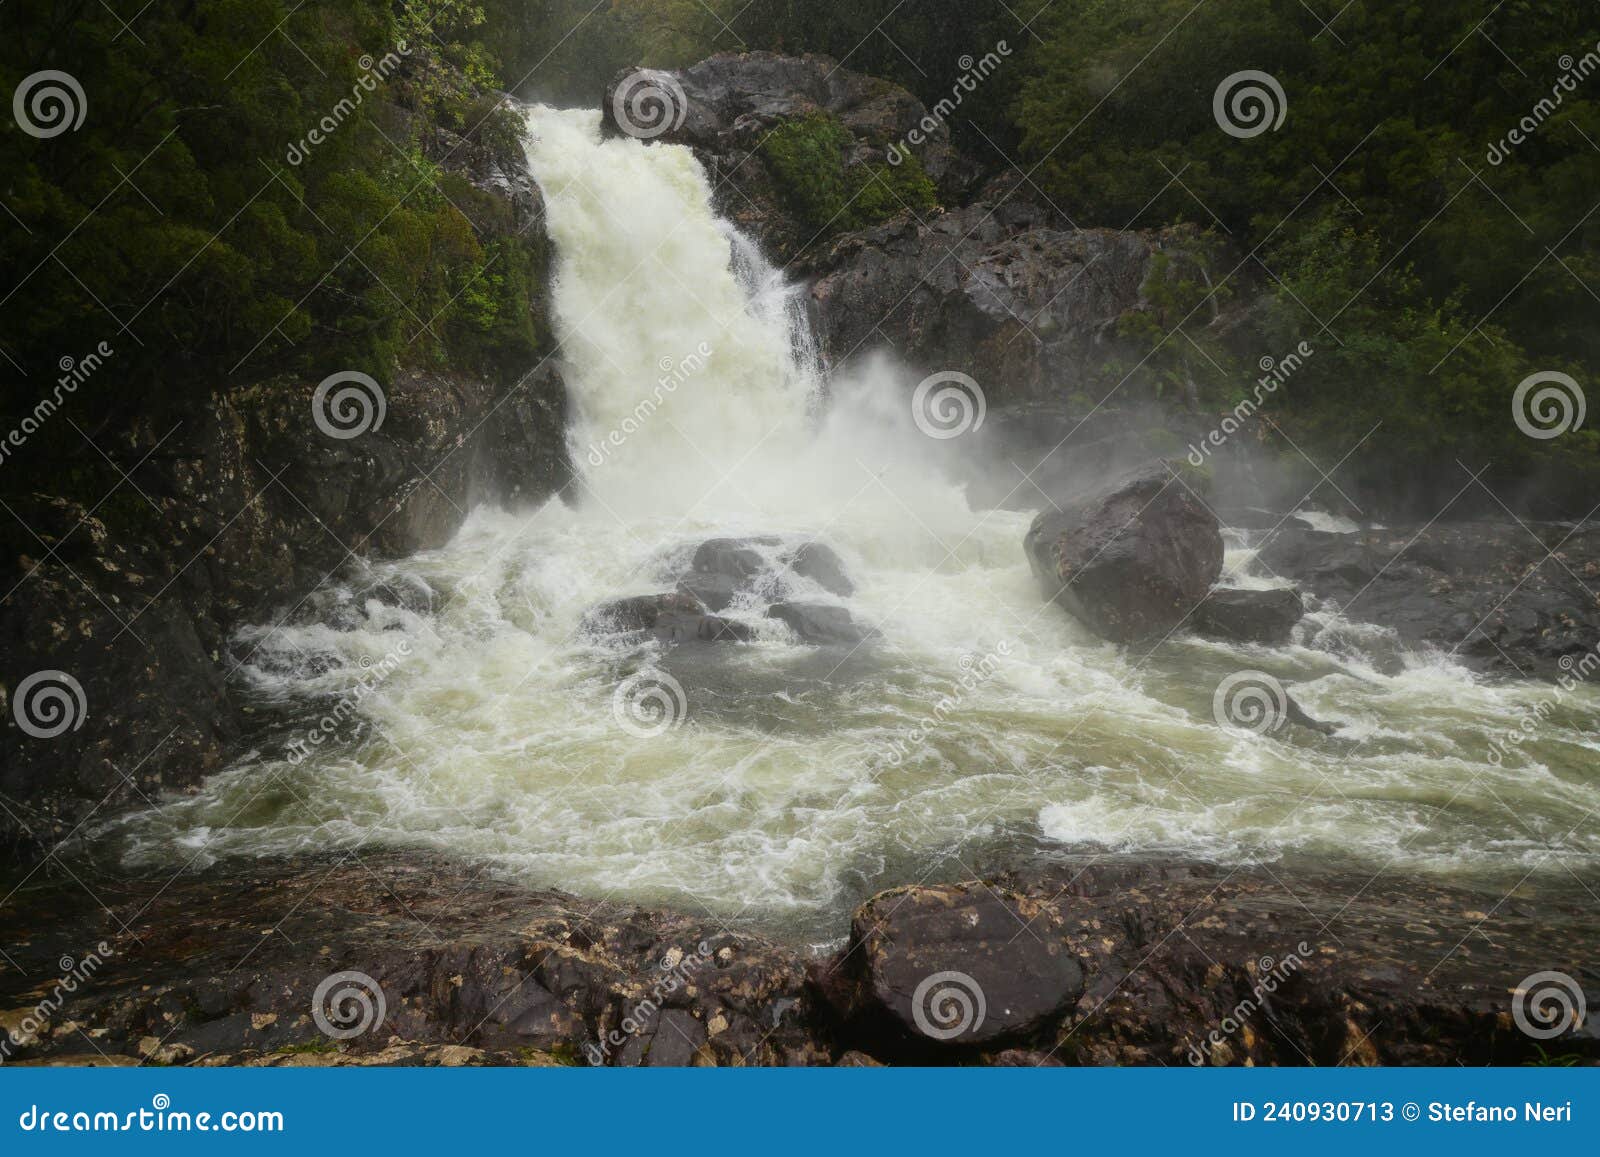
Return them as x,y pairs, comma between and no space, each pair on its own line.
459,705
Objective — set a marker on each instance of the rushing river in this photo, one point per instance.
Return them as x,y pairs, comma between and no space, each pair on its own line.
471,714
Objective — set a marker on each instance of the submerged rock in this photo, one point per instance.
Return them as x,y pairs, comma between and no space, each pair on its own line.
820,624
672,617
1512,598
1130,560
1242,616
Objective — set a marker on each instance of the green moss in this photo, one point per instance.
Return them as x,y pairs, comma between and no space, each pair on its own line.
808,157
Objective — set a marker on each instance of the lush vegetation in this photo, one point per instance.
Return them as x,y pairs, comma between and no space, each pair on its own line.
807,156
1429,276
255,189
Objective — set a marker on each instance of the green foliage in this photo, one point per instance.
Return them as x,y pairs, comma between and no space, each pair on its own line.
250,194
808,157
1431,274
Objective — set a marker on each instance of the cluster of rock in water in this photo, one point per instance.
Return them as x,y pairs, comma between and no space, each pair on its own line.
766,572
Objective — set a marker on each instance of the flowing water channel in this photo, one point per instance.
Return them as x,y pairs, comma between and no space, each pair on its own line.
473,714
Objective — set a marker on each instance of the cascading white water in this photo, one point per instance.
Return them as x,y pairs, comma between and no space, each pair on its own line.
983,727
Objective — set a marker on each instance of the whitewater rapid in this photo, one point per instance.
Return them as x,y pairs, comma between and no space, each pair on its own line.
983,728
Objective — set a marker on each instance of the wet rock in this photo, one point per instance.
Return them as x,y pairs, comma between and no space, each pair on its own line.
640,612
672,617
1130,560
1296,714
999,289
1502,597
961,966
733,101
1245,616
1096,962
820,624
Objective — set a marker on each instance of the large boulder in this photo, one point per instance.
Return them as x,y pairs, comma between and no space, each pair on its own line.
961,966
1241,616
1131,559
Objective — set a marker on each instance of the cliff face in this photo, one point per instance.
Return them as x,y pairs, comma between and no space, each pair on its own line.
232,509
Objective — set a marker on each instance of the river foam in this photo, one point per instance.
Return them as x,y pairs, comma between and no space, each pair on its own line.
983,726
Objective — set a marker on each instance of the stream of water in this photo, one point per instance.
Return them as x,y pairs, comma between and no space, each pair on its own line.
983,728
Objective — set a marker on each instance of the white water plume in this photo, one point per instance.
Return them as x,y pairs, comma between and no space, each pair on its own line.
785,786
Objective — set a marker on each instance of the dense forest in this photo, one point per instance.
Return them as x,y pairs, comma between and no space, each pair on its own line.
1432,264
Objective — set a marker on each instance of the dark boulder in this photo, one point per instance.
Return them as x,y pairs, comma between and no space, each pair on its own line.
672,617
820,624
1240,616
1132,559
960,966
721,569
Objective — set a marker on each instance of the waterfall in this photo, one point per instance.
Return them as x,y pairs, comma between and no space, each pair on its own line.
983,726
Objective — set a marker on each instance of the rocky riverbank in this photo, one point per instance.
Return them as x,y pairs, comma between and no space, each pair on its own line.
409,959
